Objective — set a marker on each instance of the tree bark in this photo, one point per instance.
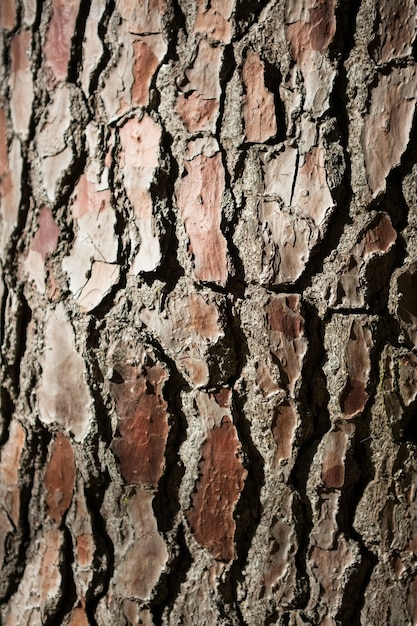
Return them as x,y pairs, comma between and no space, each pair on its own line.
208,312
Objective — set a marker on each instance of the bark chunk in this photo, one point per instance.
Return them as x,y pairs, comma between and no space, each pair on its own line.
143,422
355,396
287,337
258,102
61,28
217,491
387,126
140,567
59,478
199,198
20,83
63,395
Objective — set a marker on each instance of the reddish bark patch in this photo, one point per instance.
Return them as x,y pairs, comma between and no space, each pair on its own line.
259,107
78,618
355,396
199,199
7,14
381,236
45,239
59,478
196,112
333,466
284,316
88,199
224,398
314,35
217,491
143,423
387,127
284,426
19,51
61,29
287,337
85,550
145,65
204,317
213,19
10,457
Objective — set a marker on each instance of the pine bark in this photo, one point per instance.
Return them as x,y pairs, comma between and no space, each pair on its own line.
208,291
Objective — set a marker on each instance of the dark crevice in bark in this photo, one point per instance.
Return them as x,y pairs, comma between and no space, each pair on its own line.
95,383
102,65
68,594
15,345
316,423
169,271
166,501
247,14
360,471
76,57
174,23
273,80
248,510
103,560
227,69
408,425
170,583
34,453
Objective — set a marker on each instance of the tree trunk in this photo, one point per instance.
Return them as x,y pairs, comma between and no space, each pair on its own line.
209,312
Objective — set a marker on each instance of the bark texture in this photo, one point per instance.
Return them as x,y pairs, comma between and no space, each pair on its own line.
208,312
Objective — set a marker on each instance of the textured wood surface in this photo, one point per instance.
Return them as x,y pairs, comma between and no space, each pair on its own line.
208,254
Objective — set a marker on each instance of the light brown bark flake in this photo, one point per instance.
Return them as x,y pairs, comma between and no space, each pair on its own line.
187,328
198,104
397,30
10,173
141,565
333,465
380,237
20,82
199,197
388,124
10,455
214,19
329,568
258,102
63,396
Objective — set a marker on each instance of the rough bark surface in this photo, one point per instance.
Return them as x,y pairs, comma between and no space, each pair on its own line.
208,249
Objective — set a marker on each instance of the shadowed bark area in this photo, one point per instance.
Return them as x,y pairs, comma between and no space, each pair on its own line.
208,312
